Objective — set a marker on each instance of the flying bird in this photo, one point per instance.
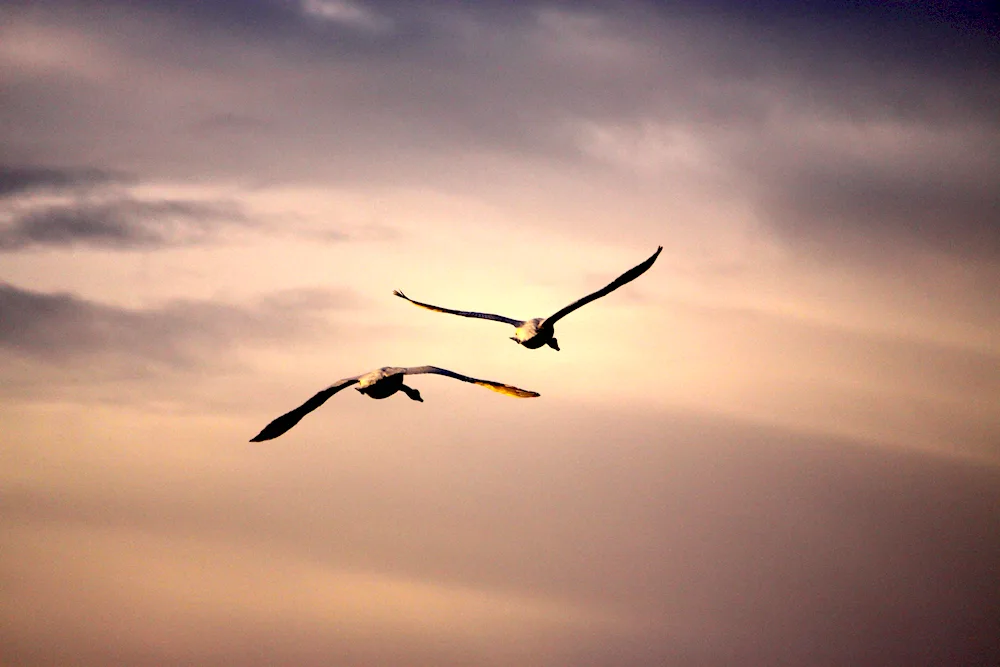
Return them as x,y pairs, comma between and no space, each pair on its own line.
381,383
535,333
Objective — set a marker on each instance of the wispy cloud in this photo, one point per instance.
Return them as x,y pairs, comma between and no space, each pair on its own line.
882,185
351,14
121,224
65,327
453,92
19,180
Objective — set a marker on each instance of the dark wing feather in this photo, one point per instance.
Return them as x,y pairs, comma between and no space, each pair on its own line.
290,419
624,278
463,313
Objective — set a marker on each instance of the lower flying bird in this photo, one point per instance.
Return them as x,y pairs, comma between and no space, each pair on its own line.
540,331
381,383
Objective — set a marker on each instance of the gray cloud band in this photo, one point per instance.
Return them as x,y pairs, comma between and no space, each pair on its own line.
315,94
62,327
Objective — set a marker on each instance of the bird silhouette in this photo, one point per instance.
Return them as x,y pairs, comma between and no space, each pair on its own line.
535,333
380,383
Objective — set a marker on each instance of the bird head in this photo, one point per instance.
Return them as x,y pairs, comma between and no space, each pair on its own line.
413,394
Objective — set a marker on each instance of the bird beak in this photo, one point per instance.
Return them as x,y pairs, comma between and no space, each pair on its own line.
513,338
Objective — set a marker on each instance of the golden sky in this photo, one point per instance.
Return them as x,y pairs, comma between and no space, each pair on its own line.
781,445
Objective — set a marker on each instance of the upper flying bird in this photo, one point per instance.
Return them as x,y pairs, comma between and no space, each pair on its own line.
535,333
381,383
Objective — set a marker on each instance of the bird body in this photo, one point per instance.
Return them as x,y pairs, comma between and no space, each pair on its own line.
540,331
380,383
534,333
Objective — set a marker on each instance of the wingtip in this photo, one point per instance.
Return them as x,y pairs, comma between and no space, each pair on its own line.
396,292
507,389
270,432
652,258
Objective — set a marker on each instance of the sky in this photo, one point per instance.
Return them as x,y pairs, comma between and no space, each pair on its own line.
779,446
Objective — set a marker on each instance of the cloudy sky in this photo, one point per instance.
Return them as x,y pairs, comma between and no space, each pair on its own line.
780,446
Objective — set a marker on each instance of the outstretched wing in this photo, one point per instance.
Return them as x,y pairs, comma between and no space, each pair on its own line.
463,313
489,384
624,278
290,419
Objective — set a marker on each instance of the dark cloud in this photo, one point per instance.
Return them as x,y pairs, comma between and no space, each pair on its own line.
506,77
835,198
19,180
879,209
401,94
63,328
119,224
95,210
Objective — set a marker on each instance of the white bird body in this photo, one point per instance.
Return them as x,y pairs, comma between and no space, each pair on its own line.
380,383
540,331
